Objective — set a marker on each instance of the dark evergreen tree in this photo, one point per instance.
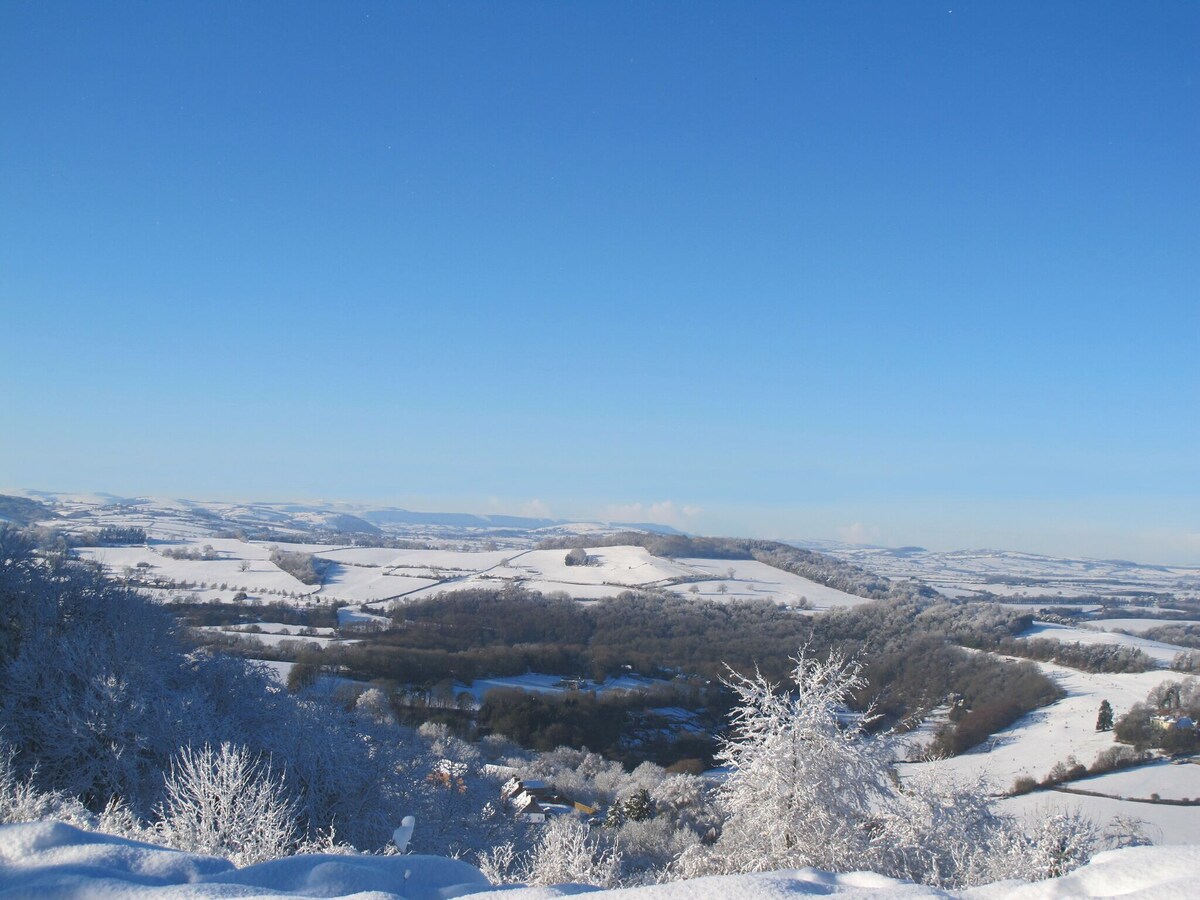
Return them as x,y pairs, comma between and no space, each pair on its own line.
1104,721
638,807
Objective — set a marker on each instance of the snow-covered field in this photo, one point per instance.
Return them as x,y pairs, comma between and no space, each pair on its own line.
376,575
752,579
259,574
1162,653
271,639
51,859
1170,780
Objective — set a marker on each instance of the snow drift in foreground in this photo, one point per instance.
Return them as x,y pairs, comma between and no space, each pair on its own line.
51,859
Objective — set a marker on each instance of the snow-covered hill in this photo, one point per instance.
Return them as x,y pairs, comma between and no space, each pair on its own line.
1017,575
181,519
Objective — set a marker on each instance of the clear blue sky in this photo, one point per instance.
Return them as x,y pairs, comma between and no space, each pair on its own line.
909,273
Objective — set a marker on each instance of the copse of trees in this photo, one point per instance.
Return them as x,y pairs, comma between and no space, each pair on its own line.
576,719
1188,661
301,566
116,534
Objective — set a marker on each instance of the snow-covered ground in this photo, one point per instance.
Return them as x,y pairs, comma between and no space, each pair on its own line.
368,584
51,859
349,616
1160,652
1037,741
1170,780
240,565
752,579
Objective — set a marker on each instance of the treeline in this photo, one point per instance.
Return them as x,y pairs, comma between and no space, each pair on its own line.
818,567
108,535
913,663
1184,634
1109,658
265,533
197,614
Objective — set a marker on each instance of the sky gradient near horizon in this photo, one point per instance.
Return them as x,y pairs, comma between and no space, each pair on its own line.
900,273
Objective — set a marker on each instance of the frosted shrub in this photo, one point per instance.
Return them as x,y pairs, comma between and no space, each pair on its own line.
226,803
20,801
684,798
569,854
498,864
1063,842
566,853
648,848
943,833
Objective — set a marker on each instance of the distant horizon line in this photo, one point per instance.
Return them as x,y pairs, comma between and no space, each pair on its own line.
813,543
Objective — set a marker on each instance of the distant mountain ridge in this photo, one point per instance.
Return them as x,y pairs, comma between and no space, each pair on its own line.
261,517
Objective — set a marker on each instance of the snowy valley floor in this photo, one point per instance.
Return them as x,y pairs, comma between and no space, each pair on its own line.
54,860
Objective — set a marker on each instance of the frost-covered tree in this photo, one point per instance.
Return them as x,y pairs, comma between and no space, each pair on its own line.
808,787
224,802
803,779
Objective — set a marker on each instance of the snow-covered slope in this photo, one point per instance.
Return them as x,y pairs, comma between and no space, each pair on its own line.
53,860
368,575
1037,741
